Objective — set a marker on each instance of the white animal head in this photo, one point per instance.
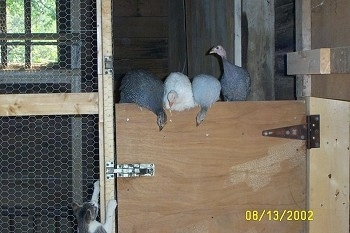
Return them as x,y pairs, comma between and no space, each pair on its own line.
219,50
172,95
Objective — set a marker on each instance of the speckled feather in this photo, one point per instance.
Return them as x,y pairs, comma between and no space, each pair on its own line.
235,82
146,90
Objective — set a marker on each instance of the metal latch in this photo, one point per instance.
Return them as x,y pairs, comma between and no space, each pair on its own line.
129,170
108,64
309,132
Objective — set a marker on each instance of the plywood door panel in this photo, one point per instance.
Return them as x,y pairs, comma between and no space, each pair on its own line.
329,167
207,177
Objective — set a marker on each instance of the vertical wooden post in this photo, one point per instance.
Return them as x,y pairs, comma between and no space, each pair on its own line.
238,32
106,100
328,168
258,33
303,42
177,36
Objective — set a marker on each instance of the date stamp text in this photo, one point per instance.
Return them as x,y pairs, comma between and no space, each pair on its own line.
279,215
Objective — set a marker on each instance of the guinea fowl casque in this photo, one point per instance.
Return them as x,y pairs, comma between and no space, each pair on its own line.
178,94
146,90
206,91
235,81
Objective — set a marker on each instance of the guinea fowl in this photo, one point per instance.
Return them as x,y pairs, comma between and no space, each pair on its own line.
178,94
235,81
146,90
206,91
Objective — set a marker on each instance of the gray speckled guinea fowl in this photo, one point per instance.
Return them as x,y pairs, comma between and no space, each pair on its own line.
206,91
235,81
146,90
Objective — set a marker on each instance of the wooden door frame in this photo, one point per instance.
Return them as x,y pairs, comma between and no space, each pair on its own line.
106,101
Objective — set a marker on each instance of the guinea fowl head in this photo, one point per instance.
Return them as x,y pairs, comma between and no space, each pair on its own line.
201,115
161,119
172,95
219,50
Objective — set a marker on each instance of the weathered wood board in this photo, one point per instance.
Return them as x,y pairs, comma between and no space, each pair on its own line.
258,40
208,23
319,61
48,104
329,167
207,177
106,103
330,29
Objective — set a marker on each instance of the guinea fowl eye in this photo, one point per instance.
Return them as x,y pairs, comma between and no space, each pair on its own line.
217,47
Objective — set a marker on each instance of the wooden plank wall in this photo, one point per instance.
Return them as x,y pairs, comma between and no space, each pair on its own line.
258,25
208,23
330,29
140,36
165,36
284,43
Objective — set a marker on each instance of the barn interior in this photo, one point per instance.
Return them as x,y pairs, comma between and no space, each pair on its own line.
175,36
61,123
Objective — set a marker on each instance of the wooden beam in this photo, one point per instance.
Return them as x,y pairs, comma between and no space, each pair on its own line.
238,32
328,166
319,61
204,30
309,62
258,27
177,37
303,42
48,104
331,86
106,102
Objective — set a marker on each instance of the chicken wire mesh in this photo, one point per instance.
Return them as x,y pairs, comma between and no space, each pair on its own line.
48,46
47,162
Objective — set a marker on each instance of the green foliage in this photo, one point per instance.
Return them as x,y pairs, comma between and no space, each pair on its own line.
43,16
43,20
15,16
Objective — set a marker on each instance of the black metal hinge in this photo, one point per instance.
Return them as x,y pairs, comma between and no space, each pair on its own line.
309,132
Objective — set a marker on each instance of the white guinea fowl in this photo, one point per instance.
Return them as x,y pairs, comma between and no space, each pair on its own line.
206,91
178,94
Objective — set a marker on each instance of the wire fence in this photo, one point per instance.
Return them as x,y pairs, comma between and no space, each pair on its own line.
47,162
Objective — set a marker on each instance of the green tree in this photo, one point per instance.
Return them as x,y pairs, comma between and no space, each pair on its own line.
43,20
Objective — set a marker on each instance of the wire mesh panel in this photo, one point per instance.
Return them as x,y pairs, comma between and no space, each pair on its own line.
48,46
43,171
47,162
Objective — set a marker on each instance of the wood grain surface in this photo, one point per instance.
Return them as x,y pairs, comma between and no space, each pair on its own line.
207,177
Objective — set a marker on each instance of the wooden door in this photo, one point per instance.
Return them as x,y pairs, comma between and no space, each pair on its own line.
328,167
212,177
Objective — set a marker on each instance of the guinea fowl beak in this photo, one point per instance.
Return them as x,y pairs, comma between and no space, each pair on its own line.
160,128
